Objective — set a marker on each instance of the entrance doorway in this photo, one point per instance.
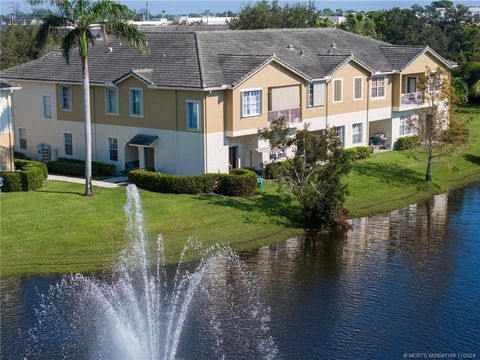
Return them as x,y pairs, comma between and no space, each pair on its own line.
45,153
233,157
149,158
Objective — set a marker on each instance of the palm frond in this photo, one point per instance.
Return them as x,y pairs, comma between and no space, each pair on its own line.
104,11
129,33
70,41
50,23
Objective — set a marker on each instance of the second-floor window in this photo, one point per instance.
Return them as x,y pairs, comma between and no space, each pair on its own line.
111,100
357,88
193,115
66,97
22,138
337,90
316,94
47,107
251,103
357,133
113,148
378,87
136,102
68,141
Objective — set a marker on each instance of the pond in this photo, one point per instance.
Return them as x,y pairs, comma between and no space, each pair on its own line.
395,286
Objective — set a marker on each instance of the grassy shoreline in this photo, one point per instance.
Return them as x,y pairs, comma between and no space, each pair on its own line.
56,229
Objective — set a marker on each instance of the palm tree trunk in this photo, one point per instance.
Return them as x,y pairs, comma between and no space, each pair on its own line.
88,132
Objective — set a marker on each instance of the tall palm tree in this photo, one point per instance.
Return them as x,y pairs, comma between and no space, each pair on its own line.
77,18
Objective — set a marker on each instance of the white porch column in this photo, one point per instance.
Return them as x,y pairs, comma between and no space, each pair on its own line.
141,157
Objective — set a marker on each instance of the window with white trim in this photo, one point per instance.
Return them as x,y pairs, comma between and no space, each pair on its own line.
111,100
316,94
193,115
113,148
378,87
358,88
357,133
337,90
65,97
47,107
68,143
22,138
405,125
136,101
251,103
340,132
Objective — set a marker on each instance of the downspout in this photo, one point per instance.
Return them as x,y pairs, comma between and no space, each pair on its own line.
94,125
368,112
205,146
10,133
326,104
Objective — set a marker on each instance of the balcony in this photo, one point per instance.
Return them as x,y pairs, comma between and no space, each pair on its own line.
414,98
291,116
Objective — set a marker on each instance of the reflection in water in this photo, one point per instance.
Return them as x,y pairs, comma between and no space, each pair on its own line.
407,281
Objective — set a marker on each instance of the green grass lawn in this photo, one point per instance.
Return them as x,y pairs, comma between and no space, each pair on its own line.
56,229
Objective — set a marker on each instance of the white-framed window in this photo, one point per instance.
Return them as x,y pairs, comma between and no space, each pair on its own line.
340,132
113,148
193,114
358,88
378,87
316,94
251,103
68,144
65,97
405,128
47,107
22,138
357,133
337,90
111,100
136,101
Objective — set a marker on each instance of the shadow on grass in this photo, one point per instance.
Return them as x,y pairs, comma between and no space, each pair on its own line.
392,174
280,208
474,159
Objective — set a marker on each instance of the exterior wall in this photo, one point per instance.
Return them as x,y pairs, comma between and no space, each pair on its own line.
272,75
421,63
6,132
216,147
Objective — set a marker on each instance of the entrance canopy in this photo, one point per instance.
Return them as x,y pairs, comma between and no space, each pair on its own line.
143,140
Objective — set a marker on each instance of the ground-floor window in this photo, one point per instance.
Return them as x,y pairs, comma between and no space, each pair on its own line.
68,141
357,133
340,131
113,147
405,128
22,137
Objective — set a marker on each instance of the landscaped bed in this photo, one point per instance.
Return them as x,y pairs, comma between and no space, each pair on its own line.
56,229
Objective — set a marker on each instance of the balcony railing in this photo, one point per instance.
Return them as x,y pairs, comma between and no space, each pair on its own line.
291,116
414,98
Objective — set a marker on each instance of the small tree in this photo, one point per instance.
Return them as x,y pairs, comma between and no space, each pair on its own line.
437,129
313,170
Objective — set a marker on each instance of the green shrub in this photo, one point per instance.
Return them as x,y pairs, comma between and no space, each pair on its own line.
407,142
19,155
12,181
238,183
21,163
74,167
32,177
274,170
358,152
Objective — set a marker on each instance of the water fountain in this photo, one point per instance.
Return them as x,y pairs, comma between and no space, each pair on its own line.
140,312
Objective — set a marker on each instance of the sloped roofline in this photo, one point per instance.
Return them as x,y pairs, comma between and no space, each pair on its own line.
432,52
135,74
268,61
348,59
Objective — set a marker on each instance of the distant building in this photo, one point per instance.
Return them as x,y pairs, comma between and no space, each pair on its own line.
205,20
6,126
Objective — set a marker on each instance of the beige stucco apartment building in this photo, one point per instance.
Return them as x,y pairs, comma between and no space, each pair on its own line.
195,102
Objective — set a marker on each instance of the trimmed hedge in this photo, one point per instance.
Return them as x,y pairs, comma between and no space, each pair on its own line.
74,167
30,175
274,170
20,164
407,142
239,183
358,152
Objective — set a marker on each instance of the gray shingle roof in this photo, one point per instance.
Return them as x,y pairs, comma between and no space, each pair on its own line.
203,59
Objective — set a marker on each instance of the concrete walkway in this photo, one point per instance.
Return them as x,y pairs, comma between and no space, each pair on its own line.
107,183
